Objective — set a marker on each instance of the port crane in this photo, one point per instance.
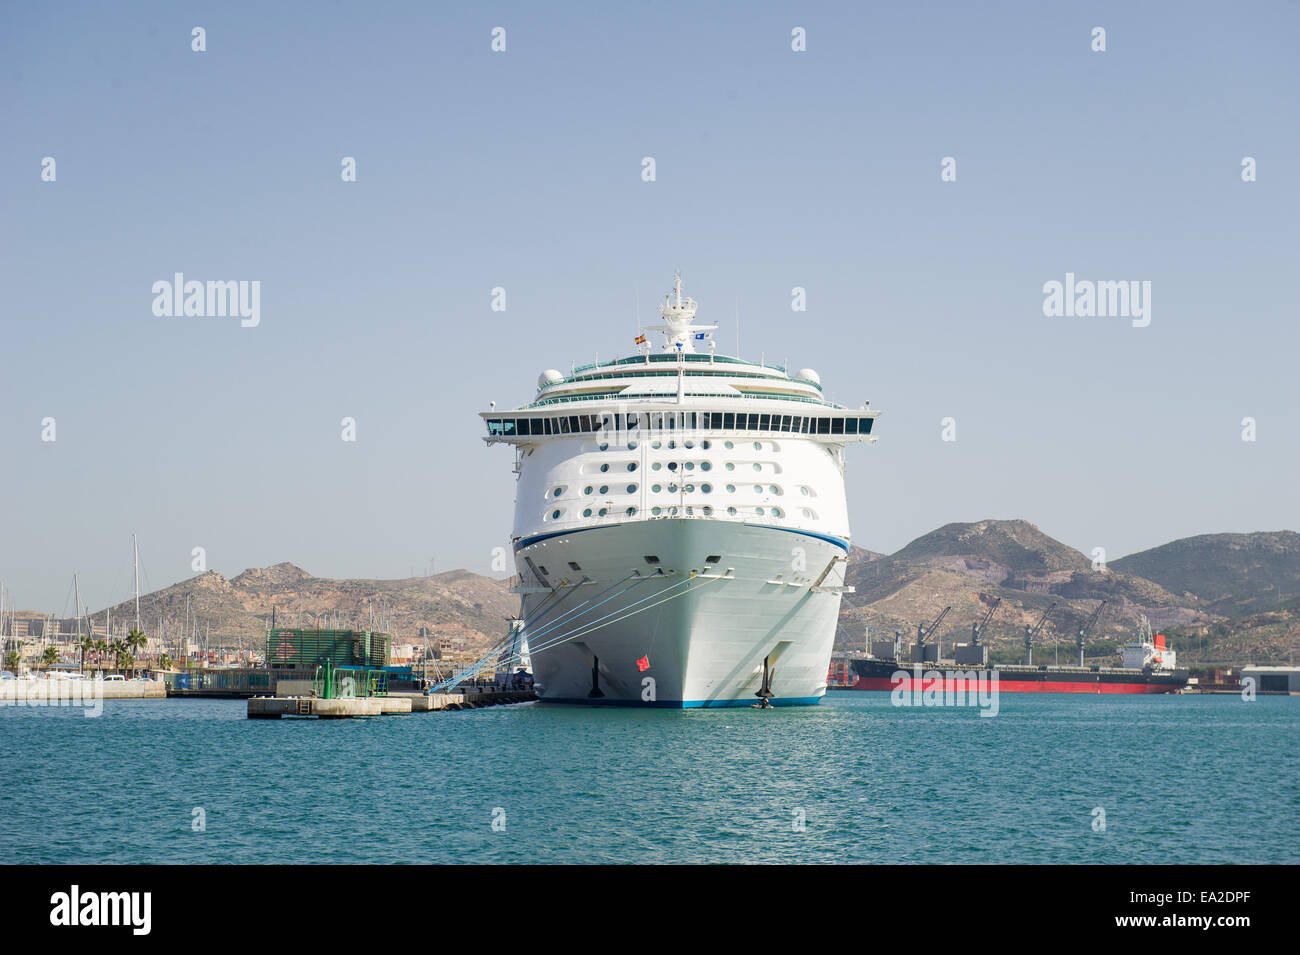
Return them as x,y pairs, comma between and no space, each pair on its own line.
976,629
923,631
1083,631
1031,632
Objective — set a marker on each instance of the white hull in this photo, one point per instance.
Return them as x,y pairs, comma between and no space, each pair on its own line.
701,639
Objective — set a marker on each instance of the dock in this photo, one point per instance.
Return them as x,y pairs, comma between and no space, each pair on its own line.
465,698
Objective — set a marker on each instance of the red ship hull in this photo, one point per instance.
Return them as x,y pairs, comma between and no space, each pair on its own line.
887,675
1012,686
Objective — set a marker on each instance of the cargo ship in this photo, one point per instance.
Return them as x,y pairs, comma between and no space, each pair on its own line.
1148,665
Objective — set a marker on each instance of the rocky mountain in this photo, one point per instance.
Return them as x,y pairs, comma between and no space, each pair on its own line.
469,608
967,566
1227,574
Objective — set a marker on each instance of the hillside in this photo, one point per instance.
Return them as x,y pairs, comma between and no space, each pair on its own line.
968,565
1227,574
464,606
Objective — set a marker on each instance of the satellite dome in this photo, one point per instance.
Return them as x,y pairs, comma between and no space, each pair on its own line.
809,374
549,377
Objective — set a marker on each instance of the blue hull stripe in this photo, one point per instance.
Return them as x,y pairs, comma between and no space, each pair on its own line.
537,538
685,704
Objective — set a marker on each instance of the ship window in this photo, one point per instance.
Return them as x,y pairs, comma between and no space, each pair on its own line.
865,426
602,446
574,566
604,489
758,511
657,445
631,489
656,466
672,488
564,426
823,425
630,511
632,466
850,425
837,425
758,489
657,488
706,466
706,444
775,489
715,421
765,422
803,491
655,511
604,467
731,489
508,426
603,512
587,489
731,465
758,445
713,558
729,424
690,465
672,465
652,560
757,466
785,422
706,488
672,444
672,511
585,513
731,511
545,572
536,426
708,511
688,444
584,422
728,445
776,512
689,489
555,515
631,445
557,492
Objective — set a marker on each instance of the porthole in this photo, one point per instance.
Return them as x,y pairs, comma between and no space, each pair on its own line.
731,489
706,466
656,511
758,489
672,465
688,444
731,466
604,489
758,445
573,566
728,445
672,444
630,511
708,511
776,512
731,511
656,466
586,512
657,488
656,445
631,445
631,489
690,512
690,465
602,512
775,490
757,467
672,511
706,445
603,446
672,488
758,511
557,492
632,466
807,513
713,558
706,488
803,491
605,467
690,489
555,515
587,489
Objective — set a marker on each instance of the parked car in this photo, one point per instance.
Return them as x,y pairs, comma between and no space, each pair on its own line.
115,678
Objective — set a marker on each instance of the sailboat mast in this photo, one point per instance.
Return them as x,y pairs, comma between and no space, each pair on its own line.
135,560
76,600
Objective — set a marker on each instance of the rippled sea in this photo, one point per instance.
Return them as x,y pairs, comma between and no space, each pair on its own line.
1180,780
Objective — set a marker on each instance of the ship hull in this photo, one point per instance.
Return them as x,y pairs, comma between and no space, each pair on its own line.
681,632
888,675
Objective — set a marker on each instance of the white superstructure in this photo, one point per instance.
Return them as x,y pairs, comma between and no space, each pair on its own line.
681,529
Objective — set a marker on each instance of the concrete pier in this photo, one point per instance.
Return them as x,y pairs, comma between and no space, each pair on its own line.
274,707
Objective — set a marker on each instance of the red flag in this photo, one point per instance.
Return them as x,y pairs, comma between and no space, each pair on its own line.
644,663
640,339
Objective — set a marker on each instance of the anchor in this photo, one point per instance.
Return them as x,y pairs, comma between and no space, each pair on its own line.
765,693
596,691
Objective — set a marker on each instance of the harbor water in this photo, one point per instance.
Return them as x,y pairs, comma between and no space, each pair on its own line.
1050,779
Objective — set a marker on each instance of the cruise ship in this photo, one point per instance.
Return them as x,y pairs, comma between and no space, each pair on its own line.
680,529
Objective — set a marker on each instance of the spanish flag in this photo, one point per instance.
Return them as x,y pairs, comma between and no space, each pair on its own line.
640,339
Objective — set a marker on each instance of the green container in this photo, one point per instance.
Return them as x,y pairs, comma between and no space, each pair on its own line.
294,647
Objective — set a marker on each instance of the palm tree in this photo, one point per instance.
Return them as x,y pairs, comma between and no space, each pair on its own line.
101,647
12,659
50,657
136,641
125,661
118,649
87,645
165,661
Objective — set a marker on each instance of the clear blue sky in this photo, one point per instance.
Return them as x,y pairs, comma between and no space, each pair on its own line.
522,169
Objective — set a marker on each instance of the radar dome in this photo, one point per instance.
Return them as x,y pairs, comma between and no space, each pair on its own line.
809,374
549,377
